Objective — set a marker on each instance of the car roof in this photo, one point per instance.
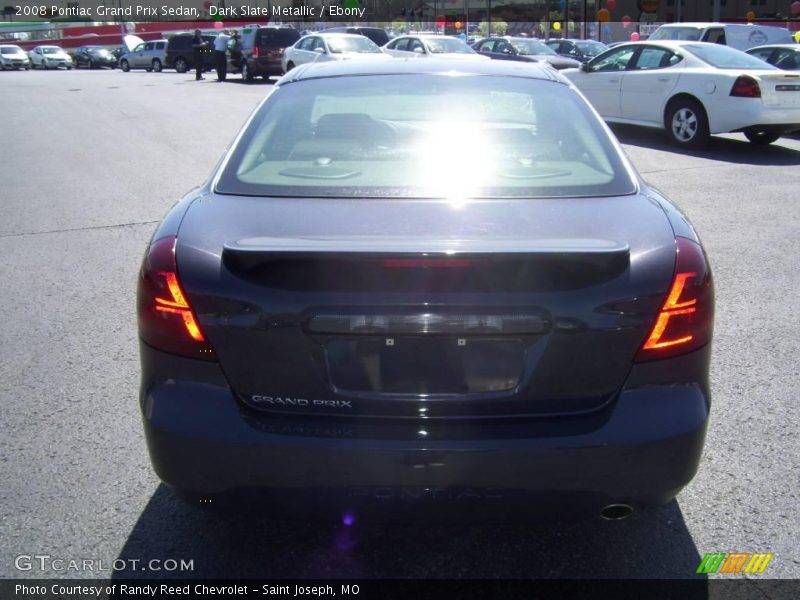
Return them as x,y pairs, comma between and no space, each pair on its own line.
412,66
773,46
338,34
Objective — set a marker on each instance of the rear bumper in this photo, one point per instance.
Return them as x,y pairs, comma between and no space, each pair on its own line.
639,450
755,116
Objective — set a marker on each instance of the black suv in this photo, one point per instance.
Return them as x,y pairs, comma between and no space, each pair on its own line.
180,54
262,50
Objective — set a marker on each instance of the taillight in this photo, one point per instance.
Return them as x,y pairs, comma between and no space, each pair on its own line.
686,319
255,51
746,87
166,319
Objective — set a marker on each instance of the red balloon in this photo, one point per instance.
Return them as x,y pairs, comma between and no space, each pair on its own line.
440,21
795,8
626,21
634,37
611,4
218,25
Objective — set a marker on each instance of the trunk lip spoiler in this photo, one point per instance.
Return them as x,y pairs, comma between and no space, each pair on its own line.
381,246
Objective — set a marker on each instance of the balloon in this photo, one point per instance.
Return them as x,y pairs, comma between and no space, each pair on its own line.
603,15
634,37
795,8
606,29
611,4
557,26
218,25
750,15
797,37
626,21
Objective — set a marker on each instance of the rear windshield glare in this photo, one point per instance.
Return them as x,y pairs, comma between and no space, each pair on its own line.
425,136
725,57
691,34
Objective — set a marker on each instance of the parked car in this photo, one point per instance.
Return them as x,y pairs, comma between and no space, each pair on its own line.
262,51
523,49
323,47
150,56
180,54
376,34
691,89
425,289
49,57
429,45
735,35
580,50
783,56
93,57
13,57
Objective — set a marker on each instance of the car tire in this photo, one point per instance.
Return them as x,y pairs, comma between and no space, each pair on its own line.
125,66
69,68
181,66
686,123
247,73
157,65
289,66
91,65
762,138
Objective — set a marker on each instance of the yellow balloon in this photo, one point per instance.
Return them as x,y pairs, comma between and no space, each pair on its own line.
797,37
557,26
603,15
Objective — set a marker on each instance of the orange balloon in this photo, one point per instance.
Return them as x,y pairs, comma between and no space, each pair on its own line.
603,15
750,15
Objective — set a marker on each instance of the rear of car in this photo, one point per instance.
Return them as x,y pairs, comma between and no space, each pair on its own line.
262,51
428,293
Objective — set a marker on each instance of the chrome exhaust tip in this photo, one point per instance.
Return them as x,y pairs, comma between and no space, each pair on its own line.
616,512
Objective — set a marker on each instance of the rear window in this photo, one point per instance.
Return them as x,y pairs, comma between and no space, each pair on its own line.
425,136
8,50
725,57
339,44
277,37
180,42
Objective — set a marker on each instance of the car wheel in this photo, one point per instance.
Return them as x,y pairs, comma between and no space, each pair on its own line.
69,68
124,66
762,138
289,66
181,66
91,65
156,65
686,123
247,74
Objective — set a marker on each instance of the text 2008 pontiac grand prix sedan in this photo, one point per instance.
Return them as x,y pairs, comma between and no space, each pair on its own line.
426,289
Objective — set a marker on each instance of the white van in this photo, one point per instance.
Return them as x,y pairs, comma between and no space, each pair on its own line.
741,37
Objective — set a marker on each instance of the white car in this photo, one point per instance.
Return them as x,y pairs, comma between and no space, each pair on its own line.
13,57
50,57
321,47
691,89
430,45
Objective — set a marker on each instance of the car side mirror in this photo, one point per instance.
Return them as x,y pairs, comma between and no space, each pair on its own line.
418,50
319,50
586,68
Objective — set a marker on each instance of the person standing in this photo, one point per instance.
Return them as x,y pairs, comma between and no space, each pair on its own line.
198,45
221,55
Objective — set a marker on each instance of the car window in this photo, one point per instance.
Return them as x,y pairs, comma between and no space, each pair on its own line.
532,47
446,45
414,45
763,53
614,60
305,43
725,57
279,38
355,43
715,36
591,48
160,46
149,46
786,58
653,58
318,44
691,34
415,135
503,47
139,48
487,46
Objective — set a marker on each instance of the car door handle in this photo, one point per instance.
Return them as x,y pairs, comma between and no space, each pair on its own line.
663,78
613,80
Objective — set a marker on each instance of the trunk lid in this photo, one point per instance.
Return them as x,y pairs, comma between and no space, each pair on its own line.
409,308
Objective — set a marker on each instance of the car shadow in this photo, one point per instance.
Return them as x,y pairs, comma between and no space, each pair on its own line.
734,150
651,544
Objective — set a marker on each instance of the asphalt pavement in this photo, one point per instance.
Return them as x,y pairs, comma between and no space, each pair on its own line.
90,161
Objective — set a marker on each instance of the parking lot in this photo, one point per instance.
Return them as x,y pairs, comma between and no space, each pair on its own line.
91,161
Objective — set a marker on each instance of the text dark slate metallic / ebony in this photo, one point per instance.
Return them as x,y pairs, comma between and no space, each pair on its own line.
426,289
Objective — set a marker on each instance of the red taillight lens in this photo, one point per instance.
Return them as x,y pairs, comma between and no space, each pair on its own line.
686,319
166,319
746,87
255,52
